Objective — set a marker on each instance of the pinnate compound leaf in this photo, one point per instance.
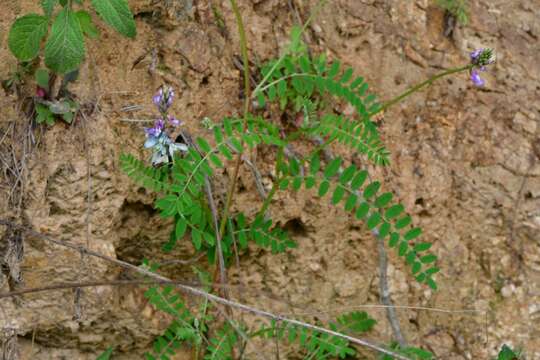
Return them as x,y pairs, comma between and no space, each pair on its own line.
25,36
117,14
64,50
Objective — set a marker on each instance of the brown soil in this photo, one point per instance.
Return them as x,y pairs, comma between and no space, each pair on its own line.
465,162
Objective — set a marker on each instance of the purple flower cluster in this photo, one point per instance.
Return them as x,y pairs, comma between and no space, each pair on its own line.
157,137
164,99
480,58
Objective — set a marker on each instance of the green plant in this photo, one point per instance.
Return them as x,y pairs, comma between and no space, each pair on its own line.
64,48
506,353
306,90
457,8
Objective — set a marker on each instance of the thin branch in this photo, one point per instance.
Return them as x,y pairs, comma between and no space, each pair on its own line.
385,294
198,292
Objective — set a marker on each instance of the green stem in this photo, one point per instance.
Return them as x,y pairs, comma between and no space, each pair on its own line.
245,59
419,87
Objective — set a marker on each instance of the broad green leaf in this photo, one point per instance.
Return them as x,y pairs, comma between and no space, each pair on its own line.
431,283
25,36
203,144
432,270
297,183
87,25
384,230
310,182
416,267
402,248
117,14
42,78
48,6
44,115
314,163
64,50
347,174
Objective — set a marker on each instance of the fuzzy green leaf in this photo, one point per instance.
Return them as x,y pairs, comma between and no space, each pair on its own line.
25,36
64,50
117,14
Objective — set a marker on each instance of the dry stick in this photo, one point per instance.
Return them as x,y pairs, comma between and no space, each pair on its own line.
198,292
383,266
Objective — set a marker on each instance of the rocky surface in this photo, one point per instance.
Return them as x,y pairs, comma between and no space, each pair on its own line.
465,162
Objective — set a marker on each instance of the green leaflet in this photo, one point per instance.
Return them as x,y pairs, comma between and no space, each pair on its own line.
106,355
48,6
25,36
117,14
64,50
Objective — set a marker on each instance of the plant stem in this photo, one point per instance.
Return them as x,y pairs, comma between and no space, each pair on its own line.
418,87
243,48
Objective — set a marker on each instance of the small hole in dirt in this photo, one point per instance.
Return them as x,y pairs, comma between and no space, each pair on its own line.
419,201
528,195
204,80
296,226
141,191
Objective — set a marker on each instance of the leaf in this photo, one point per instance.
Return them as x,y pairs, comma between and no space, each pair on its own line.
337,195
42,78
203,144
371,189
106,355
180,229
359,179
394,238
362,210
48,6
117,14
351,202
332,168
416,267
401,223
422,246
314,164
373,220
87,26
431,283
384,230
383,200
428,259
412,234
44,115
25,36
402,248
323,188
64,50
394,211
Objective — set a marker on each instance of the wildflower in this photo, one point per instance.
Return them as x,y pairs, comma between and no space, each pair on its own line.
476,79
164,98
480,58
155,131
174,121
40,92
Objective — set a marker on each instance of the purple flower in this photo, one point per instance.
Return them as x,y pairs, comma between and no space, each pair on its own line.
155,131
174,121
480,58
164,98
476,79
